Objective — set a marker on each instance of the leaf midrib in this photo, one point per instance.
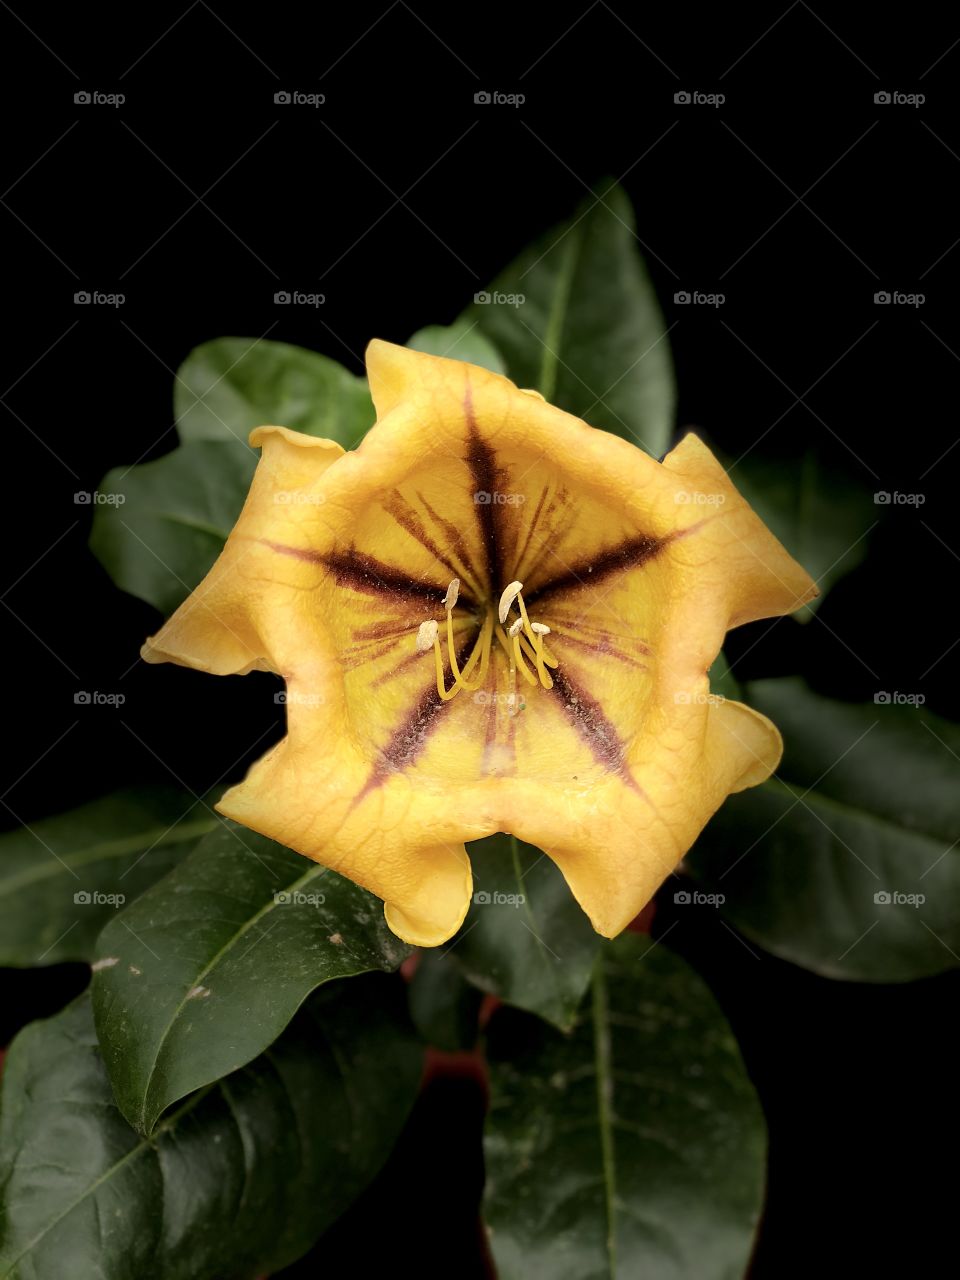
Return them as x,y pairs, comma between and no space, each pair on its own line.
208,968
864,815
604,1078
132,1154
106,849
532,925
189,522
556,317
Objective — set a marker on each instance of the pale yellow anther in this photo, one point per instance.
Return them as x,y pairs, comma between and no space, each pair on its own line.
510,594
426,636
522,642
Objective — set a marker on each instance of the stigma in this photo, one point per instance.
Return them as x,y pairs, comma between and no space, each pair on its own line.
521,640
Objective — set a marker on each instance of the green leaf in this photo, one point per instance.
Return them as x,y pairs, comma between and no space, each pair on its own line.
63,878
462,340
820,513
240,1180
865,803
588,334
634,1146
165,522
525,938
723,683
444,1007
205,970
227,387
170,518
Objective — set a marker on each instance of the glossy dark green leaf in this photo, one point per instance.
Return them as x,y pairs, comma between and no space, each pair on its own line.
174,517
443,1005
821,512
63,878
633,1146
205,970
462,340
242,1178
576,318
846,862
160,525
227,387
525,938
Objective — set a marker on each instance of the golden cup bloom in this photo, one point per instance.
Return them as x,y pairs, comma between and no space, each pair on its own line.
489,617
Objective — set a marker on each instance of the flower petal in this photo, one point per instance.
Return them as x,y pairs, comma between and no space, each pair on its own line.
637,568
216,628
762,578
312,792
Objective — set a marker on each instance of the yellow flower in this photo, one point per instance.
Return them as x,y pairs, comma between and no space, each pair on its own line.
489,617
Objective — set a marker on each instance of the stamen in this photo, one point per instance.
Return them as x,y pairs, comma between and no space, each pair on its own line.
504,642
460,677
426,635
522,667
445,694
540,630
507,598
535,631
522,642
512,700
481,654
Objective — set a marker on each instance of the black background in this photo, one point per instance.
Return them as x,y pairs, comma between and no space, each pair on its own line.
798,198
